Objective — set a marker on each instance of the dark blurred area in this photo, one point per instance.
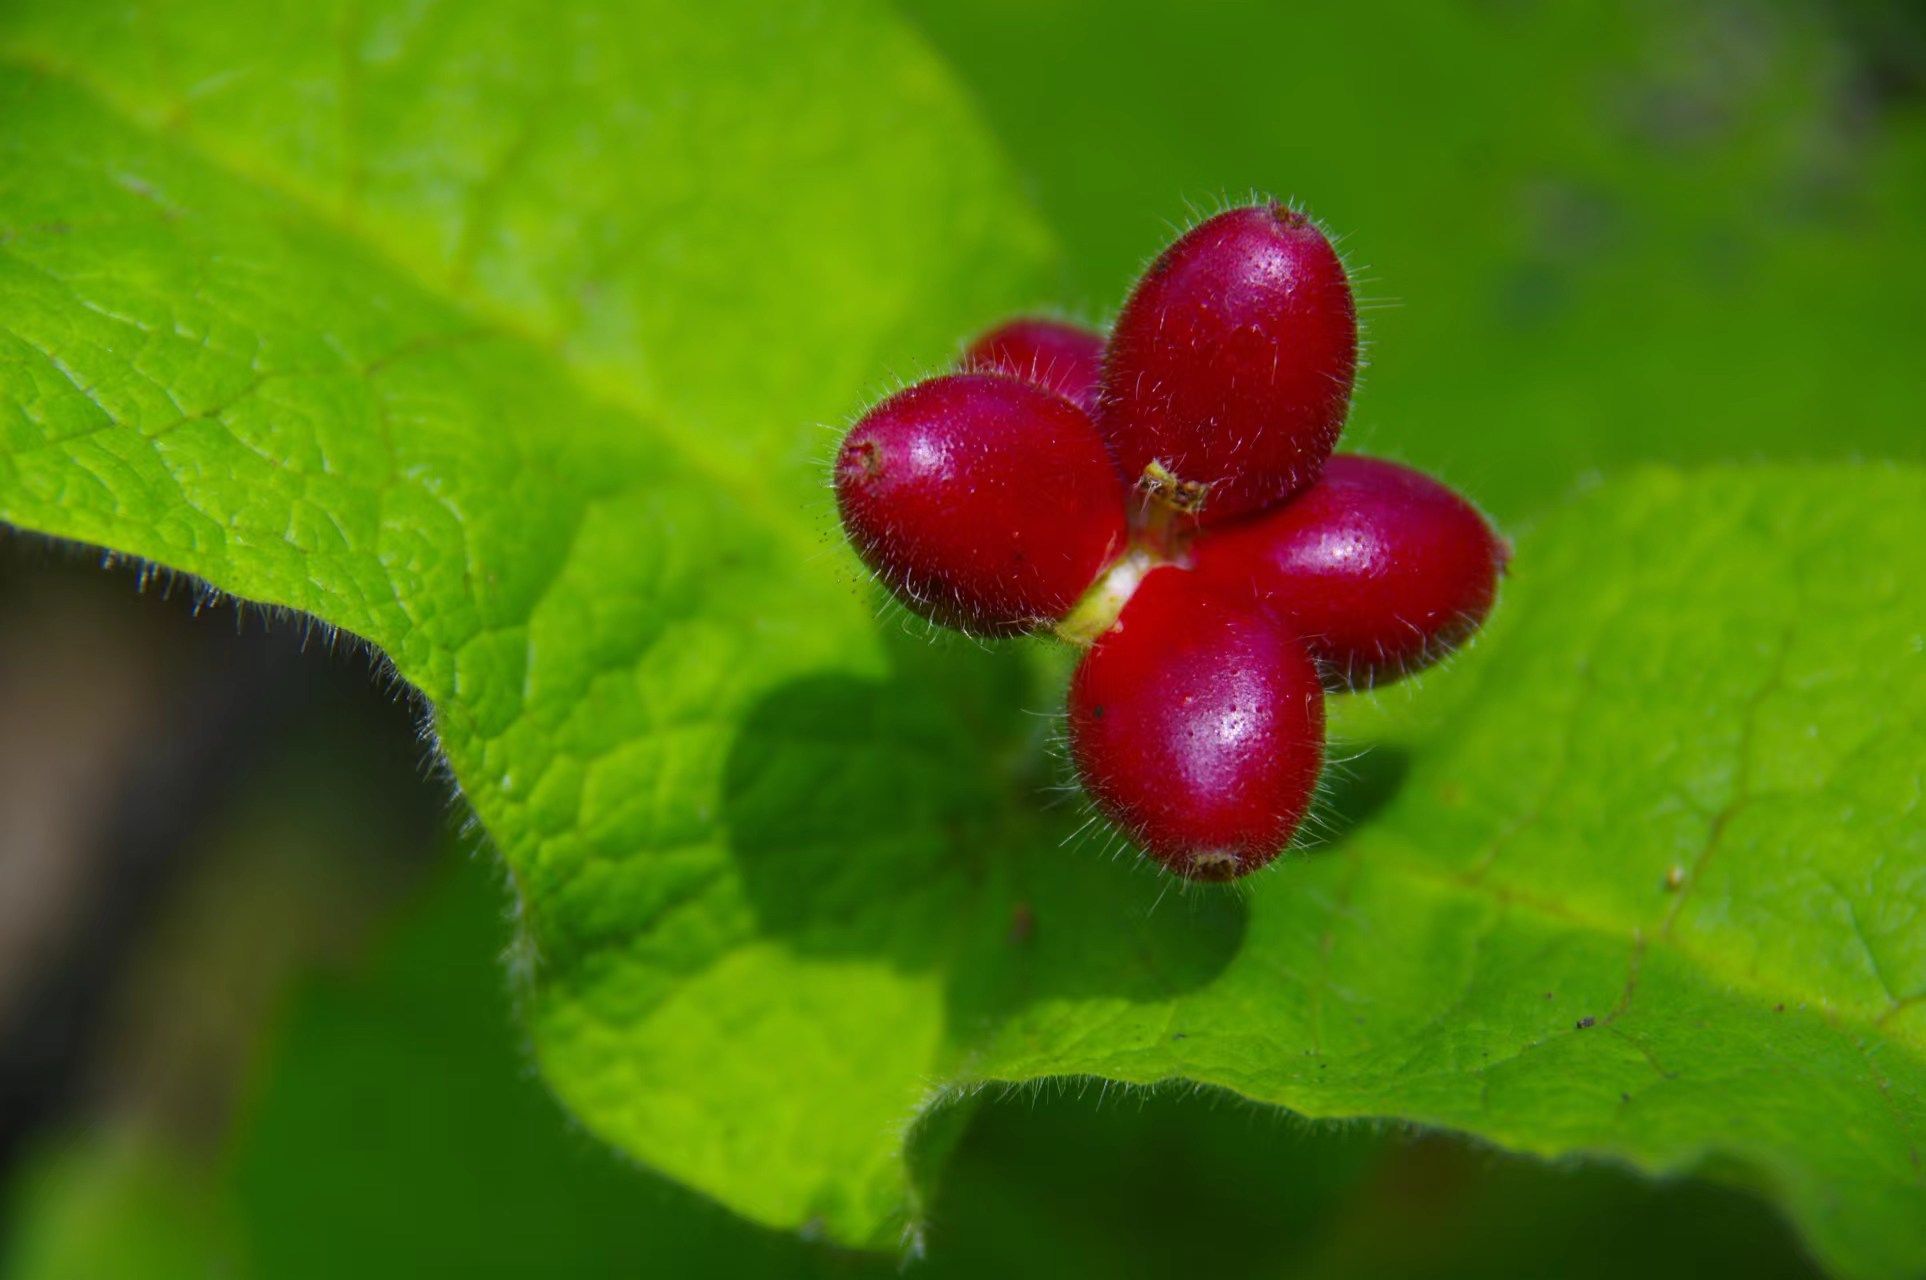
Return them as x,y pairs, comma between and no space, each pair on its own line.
197,802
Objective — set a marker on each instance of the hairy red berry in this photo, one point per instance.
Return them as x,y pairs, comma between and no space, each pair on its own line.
1231,365
982,502
1062,357
1197,724
1381,569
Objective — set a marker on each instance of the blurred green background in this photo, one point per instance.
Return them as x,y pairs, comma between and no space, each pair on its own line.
254,1018
1583,235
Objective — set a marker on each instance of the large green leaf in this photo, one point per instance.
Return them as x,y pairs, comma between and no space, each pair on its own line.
500,335
495,335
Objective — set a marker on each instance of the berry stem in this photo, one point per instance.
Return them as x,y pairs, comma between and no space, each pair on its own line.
1098,608
1162,527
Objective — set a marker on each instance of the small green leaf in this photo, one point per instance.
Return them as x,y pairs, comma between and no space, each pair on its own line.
514,375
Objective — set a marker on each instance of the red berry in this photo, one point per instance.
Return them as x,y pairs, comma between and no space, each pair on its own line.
1197,724
1064,358
983,502
1381,569
1232,362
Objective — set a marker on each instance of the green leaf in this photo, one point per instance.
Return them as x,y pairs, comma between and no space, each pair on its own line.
1644,875
500,335
509,374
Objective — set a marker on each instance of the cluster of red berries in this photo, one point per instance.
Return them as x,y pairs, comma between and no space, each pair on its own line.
1169,499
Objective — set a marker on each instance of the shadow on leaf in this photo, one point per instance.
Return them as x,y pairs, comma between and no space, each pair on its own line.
910,820
1355,789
